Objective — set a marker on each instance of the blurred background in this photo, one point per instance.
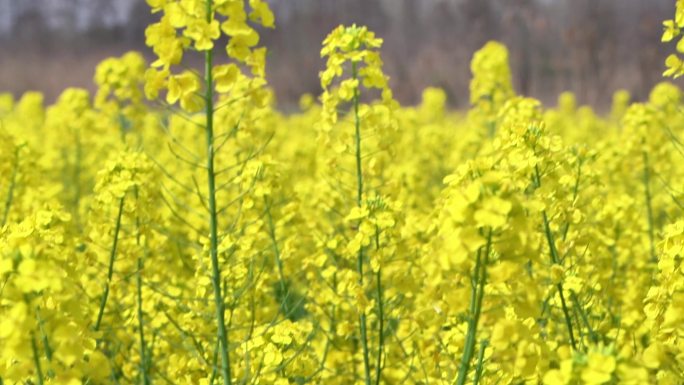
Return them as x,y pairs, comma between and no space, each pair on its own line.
590,47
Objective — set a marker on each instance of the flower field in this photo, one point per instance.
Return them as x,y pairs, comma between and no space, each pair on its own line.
175,228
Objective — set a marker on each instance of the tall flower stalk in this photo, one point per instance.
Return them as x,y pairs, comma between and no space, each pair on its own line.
363,327
200,23
371,215
213,217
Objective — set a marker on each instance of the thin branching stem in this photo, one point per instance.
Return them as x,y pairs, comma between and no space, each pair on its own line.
359,203
141,327
381,332
649,206
274,243
10,191
556,260
110,269
36,359
44,338
559,285
190,162
144,370
585,318
213,216
575,193
480,362
477,296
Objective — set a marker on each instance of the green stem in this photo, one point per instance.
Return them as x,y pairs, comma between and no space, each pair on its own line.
141,324
381,332
213,217
141,328
10,192
214,360
575,192
649,207
110,269
357,137
359,203
559,286
477,295
585,319
44,337
36,359
555,259
480,363
274,242
614,271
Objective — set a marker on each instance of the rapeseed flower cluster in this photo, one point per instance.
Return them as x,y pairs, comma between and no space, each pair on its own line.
202,237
